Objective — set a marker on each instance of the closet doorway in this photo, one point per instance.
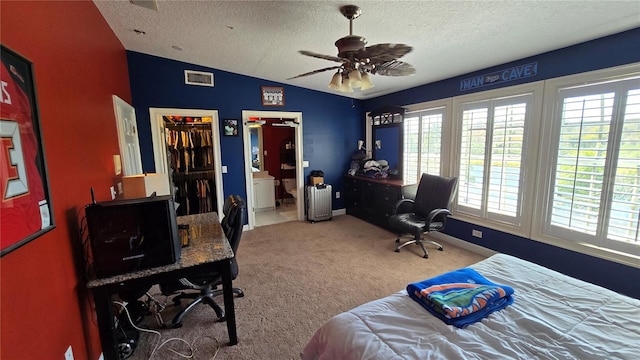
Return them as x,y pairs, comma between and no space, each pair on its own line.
286,198
186,147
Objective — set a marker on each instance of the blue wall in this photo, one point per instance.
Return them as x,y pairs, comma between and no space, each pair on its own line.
332,124
610,51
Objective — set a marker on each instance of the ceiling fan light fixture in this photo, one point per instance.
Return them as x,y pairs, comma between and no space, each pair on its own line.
357,61
355,79
346,85
366,82
336,81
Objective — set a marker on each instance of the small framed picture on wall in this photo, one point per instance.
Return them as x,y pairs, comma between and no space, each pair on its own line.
230,127
272,95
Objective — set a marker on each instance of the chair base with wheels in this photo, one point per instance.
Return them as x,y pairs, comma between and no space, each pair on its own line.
205,296
419,242
426,213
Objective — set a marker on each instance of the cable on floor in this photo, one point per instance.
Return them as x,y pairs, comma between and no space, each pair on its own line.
158,346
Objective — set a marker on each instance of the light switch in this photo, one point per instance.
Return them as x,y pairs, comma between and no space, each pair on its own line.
305,163
224,169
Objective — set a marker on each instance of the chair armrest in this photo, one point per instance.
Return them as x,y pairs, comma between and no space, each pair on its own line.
404,206
438,213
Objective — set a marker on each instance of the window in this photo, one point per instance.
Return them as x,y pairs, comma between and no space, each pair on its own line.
422,148
594,194
492,141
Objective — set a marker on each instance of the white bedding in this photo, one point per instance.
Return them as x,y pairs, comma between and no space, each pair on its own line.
553,317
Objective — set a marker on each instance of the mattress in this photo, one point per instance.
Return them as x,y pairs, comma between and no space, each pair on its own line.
553,316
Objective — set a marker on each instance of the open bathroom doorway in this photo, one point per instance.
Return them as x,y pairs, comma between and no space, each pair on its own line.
274,167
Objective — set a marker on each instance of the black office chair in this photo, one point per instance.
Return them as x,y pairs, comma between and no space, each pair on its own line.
207,284
427,213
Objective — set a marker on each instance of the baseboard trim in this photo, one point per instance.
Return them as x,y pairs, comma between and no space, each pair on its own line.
339,212
446,238
463,244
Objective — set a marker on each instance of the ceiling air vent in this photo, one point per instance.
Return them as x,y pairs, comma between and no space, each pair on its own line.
198,78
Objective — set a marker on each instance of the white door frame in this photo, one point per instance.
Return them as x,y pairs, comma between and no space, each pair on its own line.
127,130
160,147
246,138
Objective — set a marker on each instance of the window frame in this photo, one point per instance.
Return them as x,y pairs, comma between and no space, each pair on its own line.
529,160
441,106
578,84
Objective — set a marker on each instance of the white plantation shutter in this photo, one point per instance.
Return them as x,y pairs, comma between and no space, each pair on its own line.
491,157
595,192
624,222
472,157
422,144
506,159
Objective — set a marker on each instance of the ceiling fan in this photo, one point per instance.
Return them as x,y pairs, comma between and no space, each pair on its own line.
358,60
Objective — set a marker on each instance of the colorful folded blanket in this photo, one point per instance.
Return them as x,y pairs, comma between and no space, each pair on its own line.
460,297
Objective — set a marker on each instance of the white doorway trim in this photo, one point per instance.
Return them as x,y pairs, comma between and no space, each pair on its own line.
160,146
246,138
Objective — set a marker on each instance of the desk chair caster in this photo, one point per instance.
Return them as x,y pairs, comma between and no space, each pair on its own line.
419,243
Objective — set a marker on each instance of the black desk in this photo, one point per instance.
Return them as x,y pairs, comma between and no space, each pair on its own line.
209,249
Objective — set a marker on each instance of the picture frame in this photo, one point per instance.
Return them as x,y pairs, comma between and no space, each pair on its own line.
26,203
272,95
230,127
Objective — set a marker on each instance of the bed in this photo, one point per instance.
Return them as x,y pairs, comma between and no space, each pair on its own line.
553,316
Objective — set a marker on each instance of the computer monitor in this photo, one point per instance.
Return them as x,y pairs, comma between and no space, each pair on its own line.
133,234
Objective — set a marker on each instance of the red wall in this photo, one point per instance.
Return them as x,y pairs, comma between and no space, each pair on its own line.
272,139
78,65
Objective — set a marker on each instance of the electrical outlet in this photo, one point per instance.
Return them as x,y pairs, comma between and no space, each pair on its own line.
68,355
337,194
113,193
476,233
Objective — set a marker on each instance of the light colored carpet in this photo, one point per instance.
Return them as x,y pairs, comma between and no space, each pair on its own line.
296,276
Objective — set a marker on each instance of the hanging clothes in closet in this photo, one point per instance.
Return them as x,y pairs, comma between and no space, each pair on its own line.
194,193
191,159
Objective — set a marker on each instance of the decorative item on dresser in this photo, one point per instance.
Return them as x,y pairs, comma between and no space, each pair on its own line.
374,200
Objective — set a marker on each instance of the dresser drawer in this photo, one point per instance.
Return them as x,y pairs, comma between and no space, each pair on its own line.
387,195
372,200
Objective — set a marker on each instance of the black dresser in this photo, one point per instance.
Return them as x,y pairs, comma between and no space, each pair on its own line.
374,200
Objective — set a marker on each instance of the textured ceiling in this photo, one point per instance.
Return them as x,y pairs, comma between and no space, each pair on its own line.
449,38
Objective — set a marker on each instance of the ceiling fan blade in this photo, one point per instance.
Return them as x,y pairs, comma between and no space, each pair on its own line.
384,52
321,56
394,68
315,72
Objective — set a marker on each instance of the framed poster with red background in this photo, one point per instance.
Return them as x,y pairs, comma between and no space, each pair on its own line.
25,209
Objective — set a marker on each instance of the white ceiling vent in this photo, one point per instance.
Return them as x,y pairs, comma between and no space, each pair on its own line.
149,4
192,77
